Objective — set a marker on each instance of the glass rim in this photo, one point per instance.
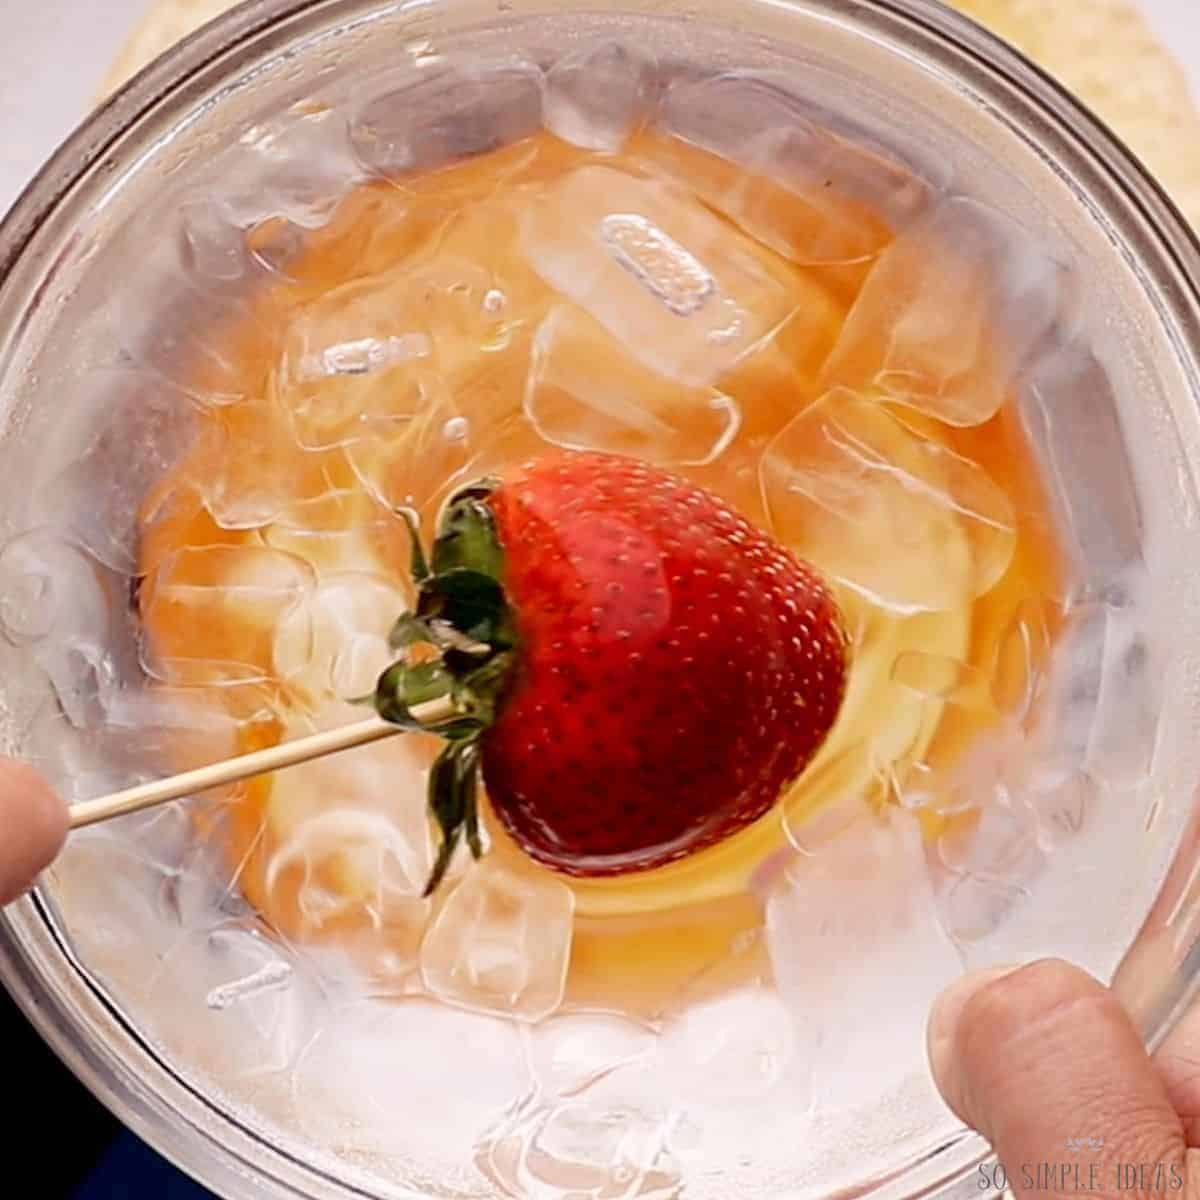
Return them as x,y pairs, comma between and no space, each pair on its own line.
79,1024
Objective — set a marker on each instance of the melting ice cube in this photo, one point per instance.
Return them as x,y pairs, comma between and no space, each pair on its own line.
731,1049
142,427
599,94
336,645
232,1003
352,364
816,197
501,943
606,1142
846,477
411,1079
681,291
859,956
950,314
1099,704
585,392
344,530
1068,404
449,111
239,596
571,1050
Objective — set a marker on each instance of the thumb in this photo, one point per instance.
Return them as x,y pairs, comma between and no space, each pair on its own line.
1045,1063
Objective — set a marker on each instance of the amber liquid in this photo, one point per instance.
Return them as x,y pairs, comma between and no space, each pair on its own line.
441,245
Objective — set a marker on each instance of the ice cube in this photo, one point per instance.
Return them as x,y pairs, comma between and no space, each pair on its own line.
355,364
598,95
951,781
993,857
569,1051
683,292
412,468
233,1004
142,428
180,352
950,314
1100,701
345,529
1021,655
585,393
268,977
859,956
502,943
100,871
1062,809
1067,700
46,583
246,470
337,645
1068,405
203,891
238,596
411,1079
608,1142
449,111
959,769
999,843
212,249
298,166
274,245
971,908
69,609
729,1050
163,729
349,843
846,477
351,860
813,195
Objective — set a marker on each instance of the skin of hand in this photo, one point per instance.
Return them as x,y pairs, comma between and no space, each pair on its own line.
1051,1067
33,827
1047,1064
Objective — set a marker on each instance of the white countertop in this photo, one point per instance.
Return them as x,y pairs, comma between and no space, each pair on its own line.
54,54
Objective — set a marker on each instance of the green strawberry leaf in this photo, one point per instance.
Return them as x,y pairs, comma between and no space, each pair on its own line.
463,615
402,687
419,564
409,630
470,601
454,803
467,539
484,687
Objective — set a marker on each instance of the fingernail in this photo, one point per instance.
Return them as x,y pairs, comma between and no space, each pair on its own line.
943,1023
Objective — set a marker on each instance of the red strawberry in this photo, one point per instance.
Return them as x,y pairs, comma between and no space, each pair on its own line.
641,671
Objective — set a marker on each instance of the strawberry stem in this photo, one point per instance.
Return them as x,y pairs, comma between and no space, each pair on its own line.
459,641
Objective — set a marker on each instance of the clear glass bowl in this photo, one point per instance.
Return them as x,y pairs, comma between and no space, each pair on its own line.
94,309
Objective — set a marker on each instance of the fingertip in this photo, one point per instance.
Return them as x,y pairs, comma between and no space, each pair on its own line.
1022,1056
34,820
945,1022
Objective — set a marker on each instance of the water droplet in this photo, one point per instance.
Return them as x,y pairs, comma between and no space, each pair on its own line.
494,301
456,429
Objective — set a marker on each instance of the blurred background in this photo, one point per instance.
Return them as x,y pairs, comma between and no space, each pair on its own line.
57,57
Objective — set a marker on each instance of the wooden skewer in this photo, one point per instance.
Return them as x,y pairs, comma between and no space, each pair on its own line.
245,766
